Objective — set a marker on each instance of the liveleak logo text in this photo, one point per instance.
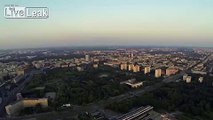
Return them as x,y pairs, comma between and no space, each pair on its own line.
17,12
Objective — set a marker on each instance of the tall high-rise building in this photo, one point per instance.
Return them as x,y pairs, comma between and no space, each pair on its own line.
87,58
130,67
147,69
123,66
131,55
136,68
158,73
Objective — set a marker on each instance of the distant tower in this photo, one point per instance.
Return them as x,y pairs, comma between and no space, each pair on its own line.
87,58
136,68
130,67
158,73
147,70
123,66
132,55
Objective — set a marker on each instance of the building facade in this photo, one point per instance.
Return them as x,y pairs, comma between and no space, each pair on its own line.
158,73
16,107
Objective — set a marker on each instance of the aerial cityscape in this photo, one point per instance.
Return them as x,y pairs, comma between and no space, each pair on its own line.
106,60
107,83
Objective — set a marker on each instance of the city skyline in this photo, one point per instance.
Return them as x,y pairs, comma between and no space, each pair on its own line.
109,22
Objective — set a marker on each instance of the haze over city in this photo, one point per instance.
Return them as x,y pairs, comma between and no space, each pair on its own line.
111,22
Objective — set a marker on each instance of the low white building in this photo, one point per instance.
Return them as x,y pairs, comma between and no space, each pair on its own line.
17,106
200,79
80,69
184,77
188,79
132,83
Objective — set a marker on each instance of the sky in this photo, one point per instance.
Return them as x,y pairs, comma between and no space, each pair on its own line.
110,23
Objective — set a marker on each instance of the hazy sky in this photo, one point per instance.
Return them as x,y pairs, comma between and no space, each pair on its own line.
111,22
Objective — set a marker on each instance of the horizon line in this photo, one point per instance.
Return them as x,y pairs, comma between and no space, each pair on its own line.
102,46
